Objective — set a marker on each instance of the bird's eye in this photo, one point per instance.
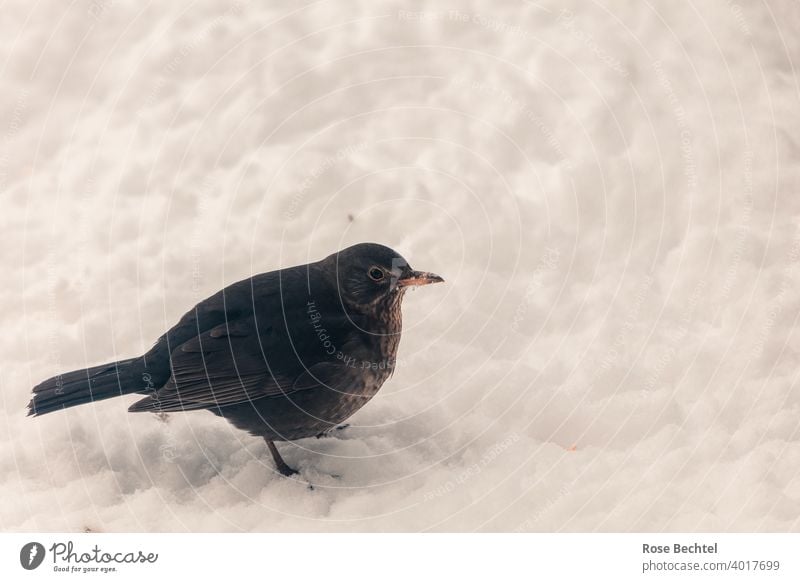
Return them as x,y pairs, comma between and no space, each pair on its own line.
376,274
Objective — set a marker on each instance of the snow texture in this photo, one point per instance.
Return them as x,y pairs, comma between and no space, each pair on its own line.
609,188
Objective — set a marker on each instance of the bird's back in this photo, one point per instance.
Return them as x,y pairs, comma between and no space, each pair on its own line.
275,334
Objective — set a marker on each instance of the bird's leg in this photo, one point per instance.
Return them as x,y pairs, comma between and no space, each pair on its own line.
284,469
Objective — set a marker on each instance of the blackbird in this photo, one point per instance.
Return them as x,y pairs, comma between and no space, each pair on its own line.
284,355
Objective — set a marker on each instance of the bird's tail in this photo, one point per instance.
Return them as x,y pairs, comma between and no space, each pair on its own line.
89,385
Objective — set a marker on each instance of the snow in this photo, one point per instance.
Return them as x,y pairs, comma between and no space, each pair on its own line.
609,189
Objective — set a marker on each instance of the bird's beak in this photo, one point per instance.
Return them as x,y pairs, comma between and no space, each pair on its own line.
417,278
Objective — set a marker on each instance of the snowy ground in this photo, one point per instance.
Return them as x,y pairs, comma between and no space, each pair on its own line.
610,190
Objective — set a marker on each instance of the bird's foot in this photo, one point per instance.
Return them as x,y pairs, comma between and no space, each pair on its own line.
331,431
287,471
280,464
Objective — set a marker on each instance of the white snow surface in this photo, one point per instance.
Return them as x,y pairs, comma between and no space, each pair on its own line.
611,190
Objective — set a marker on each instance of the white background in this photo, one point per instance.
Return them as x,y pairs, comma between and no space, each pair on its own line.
611,193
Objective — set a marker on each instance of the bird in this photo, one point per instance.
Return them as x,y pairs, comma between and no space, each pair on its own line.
284,355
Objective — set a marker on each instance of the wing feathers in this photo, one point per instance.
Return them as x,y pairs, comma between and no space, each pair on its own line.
222,366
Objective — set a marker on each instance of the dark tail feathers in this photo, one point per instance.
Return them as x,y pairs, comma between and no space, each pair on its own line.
89,385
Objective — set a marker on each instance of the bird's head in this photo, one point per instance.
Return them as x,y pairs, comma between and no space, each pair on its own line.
369,274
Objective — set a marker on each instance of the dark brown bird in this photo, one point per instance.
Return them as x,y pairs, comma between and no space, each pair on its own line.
284,355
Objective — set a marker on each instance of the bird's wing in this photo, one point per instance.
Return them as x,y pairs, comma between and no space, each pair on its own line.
227,364
236,301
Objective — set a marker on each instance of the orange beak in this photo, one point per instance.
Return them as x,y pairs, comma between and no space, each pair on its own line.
417,278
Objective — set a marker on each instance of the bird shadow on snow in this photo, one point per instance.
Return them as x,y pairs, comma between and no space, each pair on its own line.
114,466
190,457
